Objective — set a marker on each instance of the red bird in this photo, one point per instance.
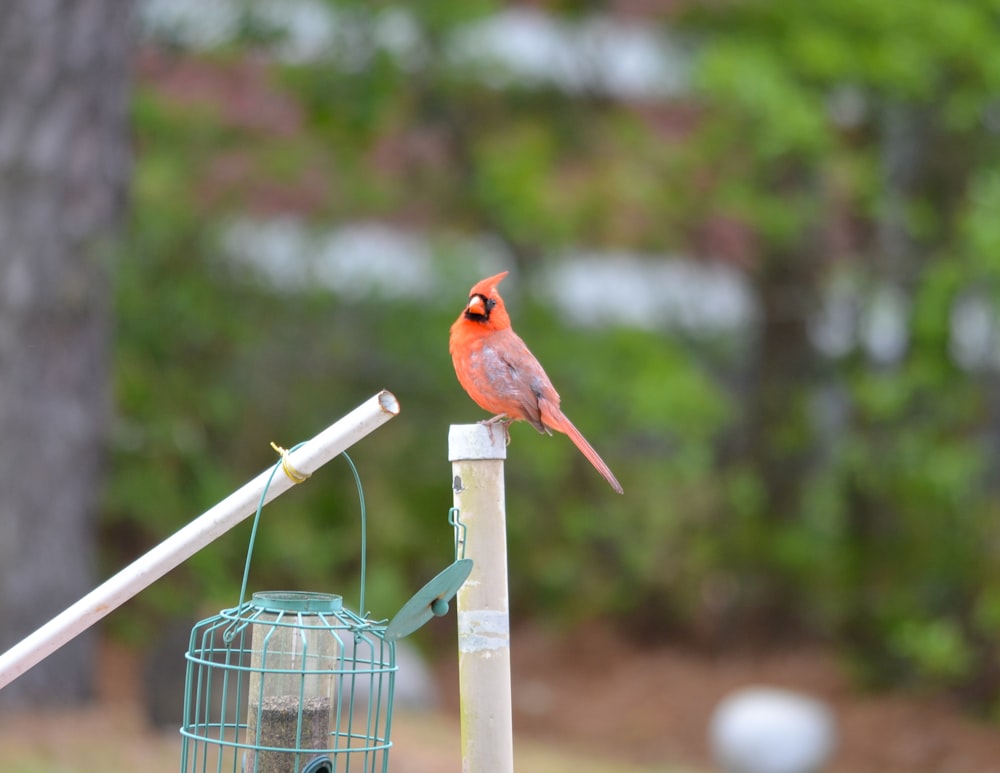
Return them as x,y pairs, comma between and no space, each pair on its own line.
503,377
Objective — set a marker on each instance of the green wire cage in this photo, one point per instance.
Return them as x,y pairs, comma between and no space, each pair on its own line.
290,682
293,681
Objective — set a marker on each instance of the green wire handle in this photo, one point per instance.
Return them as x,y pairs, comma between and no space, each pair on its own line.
260,508
364,532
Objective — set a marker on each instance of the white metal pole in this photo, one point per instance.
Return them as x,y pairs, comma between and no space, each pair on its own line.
190,539
477,456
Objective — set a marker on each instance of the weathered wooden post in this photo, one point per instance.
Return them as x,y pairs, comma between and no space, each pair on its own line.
477,454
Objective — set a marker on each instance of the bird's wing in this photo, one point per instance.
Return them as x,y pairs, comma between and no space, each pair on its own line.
517,378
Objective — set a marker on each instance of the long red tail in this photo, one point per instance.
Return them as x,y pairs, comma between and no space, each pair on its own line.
553,417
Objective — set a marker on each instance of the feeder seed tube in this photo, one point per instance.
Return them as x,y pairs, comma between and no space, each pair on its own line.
295,660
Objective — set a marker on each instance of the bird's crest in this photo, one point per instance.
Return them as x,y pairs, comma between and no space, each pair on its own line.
486,287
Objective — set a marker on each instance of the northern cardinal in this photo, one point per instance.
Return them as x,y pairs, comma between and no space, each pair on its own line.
503,377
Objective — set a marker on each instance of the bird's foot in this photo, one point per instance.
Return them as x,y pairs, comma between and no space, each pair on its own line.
504,421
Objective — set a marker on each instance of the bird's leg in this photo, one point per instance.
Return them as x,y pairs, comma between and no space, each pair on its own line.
503,420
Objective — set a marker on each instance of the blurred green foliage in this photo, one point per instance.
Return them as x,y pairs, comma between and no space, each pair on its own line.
875,119
771,490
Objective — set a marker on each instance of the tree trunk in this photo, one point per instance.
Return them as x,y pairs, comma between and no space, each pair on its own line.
64,167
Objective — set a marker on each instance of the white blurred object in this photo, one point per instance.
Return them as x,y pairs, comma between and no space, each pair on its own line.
770,730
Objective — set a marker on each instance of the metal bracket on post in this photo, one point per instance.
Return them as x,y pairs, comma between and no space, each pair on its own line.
477,453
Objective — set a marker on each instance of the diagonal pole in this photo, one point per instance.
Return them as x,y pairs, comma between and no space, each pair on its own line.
183,544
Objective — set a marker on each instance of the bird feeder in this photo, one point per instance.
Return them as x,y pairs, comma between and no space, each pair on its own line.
294,682
289,682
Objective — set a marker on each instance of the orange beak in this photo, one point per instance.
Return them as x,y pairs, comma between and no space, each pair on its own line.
476,305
